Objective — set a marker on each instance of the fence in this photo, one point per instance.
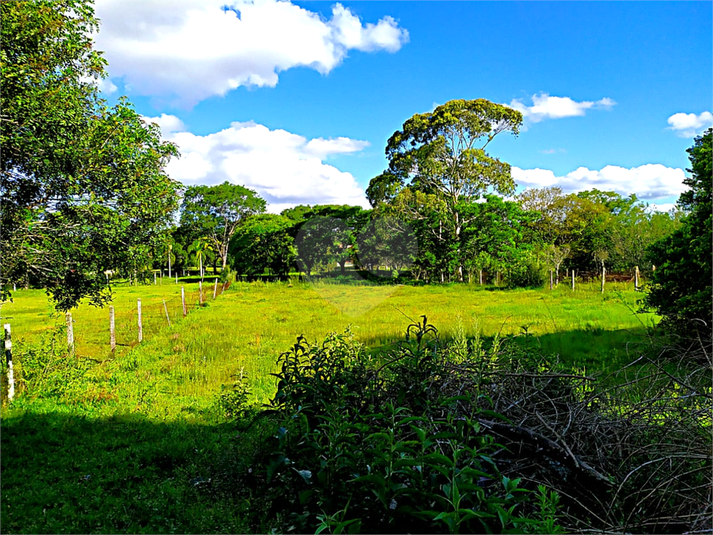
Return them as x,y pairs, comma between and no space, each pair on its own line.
123,325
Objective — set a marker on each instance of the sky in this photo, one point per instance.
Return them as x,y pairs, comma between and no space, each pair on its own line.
297,100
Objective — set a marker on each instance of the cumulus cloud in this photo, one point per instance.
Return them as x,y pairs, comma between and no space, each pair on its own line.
690,124
545,106
650,181
193,50
286,169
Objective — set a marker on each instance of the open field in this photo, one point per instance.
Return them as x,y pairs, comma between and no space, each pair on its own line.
248,326
123,446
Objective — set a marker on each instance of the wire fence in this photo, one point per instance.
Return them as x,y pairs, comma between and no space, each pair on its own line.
136,322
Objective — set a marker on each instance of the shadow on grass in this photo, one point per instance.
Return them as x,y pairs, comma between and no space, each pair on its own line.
75,474
595,350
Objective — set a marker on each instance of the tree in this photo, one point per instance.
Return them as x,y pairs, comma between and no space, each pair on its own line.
496,238
82,184
442,154
202,247
325,234
681,289
216,212
262,243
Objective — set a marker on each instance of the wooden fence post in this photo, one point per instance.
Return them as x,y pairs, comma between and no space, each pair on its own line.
215,289
200,292
165,308
112,332
604,277
70,332
573,280
176,278
550,279
141,328
636,278
8,359
183,300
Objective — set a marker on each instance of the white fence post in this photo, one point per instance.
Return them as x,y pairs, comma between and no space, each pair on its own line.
165,308
112,332
183,300
8,358
141,327
70,332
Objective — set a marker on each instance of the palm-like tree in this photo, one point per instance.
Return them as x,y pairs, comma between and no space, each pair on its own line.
200,248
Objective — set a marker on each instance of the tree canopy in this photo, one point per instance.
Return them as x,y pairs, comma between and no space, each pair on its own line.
438,162
82,184
681,289
215,212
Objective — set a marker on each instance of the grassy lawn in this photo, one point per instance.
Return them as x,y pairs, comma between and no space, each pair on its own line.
123,447
248,326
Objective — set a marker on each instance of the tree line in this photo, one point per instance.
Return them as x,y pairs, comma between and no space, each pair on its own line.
84,191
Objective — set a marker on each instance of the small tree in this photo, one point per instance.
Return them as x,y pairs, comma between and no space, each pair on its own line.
554,256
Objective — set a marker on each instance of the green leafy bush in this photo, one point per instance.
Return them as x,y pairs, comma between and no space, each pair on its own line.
369,444
47,368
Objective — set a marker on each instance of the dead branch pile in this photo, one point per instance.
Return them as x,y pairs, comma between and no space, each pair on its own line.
631,458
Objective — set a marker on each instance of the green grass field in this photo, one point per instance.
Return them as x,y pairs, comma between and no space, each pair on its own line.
121,447
248,326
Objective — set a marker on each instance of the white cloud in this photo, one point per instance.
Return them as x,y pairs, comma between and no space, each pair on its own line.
545,106
690,124
193,50
650,181
104,85
169,123
661,207
286,169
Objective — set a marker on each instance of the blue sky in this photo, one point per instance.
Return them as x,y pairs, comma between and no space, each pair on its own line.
297,99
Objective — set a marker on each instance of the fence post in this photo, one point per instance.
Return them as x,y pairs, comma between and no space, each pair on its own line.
200,292
165,308
550,279
604,277
8,358
636,278
141,328
154,278
112,332
70,332
176,278
480,277
215,289
183,300
14,287
572,279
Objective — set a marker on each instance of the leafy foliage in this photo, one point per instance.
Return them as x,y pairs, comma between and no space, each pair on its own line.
438,163
263,243
82,184
421,464
681,289
215,212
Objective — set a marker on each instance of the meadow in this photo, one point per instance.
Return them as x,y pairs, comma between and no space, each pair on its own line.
123,441
249,325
